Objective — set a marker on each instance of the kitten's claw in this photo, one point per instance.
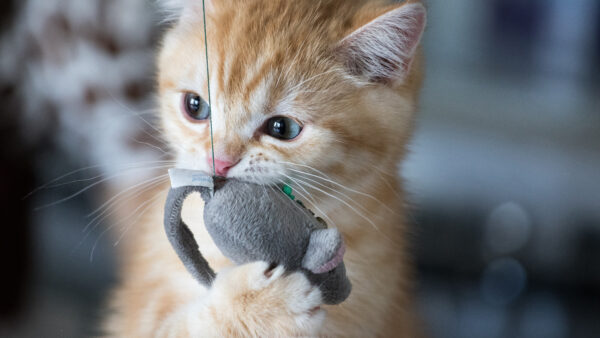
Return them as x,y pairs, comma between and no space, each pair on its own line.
270,299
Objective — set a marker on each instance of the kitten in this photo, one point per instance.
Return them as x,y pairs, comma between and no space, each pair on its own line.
317,94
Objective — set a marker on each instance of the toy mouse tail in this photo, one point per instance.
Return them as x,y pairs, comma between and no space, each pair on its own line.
181,237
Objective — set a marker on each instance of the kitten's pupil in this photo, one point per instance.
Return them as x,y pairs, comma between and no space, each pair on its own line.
283,128
278,127
195,107
194,102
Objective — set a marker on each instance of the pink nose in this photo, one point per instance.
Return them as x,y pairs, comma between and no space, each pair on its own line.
222,166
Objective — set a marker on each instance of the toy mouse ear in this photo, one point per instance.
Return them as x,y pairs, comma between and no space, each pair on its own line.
383,49
325,251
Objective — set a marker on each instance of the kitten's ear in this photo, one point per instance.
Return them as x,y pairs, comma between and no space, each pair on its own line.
382,50
174,10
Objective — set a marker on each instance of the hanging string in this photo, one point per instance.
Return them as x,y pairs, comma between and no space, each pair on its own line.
212,145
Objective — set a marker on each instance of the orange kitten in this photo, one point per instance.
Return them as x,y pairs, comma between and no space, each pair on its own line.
319,95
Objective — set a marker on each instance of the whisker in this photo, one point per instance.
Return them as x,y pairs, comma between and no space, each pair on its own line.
128,189
394,190
342,201
74,181
149,203
343,187
128,166
380,172
123,105
336,191
88,233
280,194
78,192
98,241
138,115
95,177
115,199
381,154
149,145
306,166
312,200
146,112
284,196
158,139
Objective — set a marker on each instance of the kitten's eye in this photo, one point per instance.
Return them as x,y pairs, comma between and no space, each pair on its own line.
283,128
196,109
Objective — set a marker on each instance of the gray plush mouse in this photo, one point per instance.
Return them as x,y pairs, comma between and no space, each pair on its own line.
250,222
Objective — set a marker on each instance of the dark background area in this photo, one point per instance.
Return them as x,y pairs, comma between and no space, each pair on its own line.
503,171
15,245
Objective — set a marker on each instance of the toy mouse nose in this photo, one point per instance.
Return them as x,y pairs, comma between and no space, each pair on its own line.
222,165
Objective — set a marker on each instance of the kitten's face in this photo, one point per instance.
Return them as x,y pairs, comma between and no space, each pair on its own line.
286,96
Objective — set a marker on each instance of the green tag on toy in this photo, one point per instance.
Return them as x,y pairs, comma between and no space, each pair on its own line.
288,191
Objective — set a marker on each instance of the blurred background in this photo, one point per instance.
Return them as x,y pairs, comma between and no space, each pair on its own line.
503,171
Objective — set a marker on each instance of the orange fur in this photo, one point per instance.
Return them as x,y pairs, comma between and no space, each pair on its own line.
270,58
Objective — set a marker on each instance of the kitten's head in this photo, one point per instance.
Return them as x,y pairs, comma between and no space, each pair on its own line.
321,87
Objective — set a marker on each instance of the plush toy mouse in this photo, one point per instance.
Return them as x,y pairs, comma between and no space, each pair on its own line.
250,222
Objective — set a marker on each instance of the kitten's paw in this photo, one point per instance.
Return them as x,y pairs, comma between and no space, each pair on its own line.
302,299
270,300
